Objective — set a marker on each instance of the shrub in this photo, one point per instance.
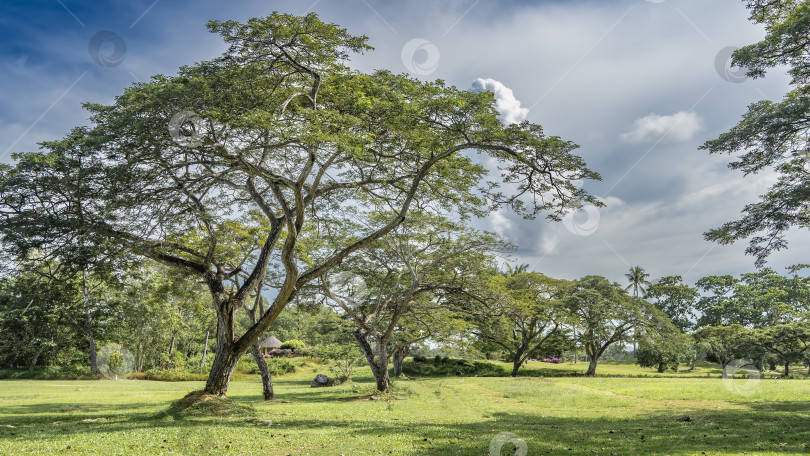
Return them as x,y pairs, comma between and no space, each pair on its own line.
279,366
445,367
292,344
172,375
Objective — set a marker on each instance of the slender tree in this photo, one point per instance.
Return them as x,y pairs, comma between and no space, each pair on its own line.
638,280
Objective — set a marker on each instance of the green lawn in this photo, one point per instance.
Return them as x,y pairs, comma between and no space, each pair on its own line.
561,415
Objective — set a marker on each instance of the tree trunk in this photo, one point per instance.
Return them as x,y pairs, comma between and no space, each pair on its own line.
224,362
772,365
787,369
267,380
591,367
694,364
220,375
662,368
399,355
725,375
205,350
89,323
171,349
378,363
34,361
516,362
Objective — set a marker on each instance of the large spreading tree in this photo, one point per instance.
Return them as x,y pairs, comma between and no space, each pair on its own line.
281,126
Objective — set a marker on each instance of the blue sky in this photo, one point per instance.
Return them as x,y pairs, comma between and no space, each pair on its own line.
633,82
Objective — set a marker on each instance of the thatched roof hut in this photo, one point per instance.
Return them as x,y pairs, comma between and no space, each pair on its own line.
270,342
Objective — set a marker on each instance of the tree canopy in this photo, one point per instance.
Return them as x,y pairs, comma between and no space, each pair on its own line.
280,137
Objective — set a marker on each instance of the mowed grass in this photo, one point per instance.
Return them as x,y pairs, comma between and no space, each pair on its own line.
560,415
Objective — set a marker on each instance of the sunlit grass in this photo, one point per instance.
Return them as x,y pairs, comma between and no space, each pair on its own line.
559,415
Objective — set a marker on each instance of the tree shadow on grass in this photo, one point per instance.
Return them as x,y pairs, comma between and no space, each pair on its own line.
748,427
744,431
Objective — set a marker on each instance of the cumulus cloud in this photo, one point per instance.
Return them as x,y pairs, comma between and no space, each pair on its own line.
678,127
505,100
500,223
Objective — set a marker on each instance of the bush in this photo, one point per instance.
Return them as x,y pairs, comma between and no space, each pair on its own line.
68,372
446,367
292,344
279,366
172,375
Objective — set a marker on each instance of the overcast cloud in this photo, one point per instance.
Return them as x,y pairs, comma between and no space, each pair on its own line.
633,82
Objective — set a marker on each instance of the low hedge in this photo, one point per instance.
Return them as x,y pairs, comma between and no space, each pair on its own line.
449,367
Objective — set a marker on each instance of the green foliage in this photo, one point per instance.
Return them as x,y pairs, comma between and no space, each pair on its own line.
773,135
676,299
292,344
172,375
280,366
725,343
344,358
527,309
283,131
451,367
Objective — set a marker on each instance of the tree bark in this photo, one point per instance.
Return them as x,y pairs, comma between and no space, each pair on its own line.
516,362
205,349
89,323
378,363
220,376
224,361
34,361
399,355
267,380
592,367
787,369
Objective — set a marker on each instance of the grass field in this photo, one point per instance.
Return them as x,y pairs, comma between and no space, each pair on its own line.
559,415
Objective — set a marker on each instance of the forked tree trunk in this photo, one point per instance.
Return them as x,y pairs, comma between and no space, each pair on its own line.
267,380
378,363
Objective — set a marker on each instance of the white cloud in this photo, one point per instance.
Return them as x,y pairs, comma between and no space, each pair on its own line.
500,223
679,127
505,100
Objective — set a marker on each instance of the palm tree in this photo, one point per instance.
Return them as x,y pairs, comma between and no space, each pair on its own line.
518,269
638,280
